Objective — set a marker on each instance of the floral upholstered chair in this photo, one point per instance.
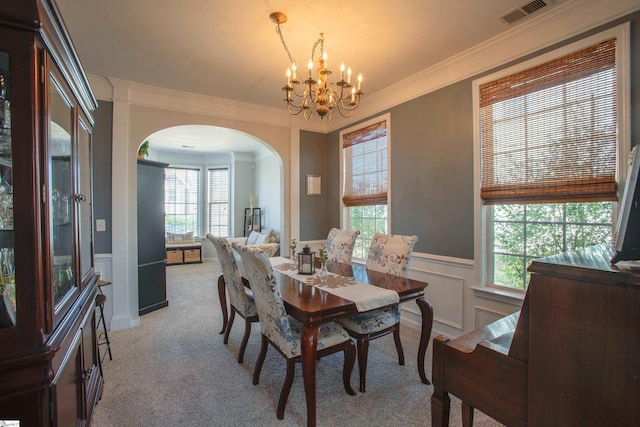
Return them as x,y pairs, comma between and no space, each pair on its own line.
389,254
240,298
283,331
340,243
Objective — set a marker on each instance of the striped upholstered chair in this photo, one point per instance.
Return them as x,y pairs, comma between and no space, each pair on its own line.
389,254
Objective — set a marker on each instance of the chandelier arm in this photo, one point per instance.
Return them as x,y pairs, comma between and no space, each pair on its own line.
300,95
321,42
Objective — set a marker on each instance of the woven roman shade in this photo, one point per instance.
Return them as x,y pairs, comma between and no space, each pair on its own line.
365,166
549,133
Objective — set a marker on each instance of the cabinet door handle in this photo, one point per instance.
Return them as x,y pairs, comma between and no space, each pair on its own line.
80,198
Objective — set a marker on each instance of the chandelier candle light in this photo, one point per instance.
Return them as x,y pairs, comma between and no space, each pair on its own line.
319,96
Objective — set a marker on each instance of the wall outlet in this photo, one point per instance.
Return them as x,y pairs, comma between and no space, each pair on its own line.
101,225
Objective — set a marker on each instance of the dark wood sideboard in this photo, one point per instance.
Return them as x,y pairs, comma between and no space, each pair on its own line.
49,374
572,358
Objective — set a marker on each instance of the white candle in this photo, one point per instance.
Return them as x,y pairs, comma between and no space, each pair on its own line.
349,75
359,81
288,77
342,71
294,68
353,95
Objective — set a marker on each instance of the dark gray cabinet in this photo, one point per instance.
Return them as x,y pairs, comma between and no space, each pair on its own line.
152,281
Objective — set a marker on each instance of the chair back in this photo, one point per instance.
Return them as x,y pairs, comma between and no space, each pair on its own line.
391,253
232,277
274,321
339,246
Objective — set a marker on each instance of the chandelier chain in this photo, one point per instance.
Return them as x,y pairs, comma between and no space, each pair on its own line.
286,48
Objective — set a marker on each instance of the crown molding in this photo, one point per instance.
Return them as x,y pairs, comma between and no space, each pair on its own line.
110,88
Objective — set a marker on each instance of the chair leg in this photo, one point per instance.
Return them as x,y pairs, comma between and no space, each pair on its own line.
363,353
396,338
286,388
232,316
349,361
263,352
467,415
245,340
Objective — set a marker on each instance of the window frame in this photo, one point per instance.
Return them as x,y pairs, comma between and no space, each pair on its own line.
345,217
483,239
198,169
209,202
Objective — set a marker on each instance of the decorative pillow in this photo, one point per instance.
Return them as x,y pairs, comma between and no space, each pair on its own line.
253,237
185,237
273,236
262,239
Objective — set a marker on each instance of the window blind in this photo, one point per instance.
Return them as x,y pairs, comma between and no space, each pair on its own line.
549,133
365,166
219,202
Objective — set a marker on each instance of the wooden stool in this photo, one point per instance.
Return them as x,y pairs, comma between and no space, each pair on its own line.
103,337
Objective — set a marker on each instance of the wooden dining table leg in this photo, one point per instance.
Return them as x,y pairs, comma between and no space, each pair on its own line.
426,308
309,344
222,294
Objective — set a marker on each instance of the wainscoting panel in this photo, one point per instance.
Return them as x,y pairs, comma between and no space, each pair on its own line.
449,280
446,293
484,316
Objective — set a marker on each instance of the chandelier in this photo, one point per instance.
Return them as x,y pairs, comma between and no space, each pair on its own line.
317,95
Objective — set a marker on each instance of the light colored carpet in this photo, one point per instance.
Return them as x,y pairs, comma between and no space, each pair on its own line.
175,370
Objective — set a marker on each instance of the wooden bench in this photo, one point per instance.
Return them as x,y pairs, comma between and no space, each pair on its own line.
183,253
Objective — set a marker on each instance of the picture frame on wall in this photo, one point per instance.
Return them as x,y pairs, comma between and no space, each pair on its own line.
314,185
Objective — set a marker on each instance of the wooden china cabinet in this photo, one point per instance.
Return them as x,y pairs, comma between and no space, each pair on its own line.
48,351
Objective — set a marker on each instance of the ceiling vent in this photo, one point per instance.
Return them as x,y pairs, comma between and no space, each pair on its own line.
524,10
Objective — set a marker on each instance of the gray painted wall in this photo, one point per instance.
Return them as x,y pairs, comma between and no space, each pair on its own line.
432,171
103,116
313,209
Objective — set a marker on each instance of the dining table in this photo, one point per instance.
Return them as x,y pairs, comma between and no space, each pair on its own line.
312,306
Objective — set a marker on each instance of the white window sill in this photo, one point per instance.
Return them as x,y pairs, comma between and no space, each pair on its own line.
499,295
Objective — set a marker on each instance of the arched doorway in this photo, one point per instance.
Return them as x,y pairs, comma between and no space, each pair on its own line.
255,172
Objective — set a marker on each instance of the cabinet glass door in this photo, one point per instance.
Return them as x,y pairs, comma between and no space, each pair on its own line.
61,187
7,279
85,201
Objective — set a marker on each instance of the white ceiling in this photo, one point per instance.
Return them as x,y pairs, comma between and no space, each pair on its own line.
230,49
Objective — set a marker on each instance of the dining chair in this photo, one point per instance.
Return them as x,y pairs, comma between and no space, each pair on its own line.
283,331
388,254
240,298
340,243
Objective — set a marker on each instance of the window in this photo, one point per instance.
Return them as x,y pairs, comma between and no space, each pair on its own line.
219,202
548,137
365,181
181,200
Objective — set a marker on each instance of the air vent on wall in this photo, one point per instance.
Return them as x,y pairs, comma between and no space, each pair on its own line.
524,10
